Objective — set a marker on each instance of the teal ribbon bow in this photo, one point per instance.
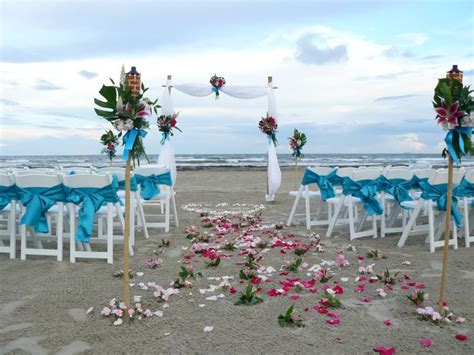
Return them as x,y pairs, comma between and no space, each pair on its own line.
129,140
133,184
366,190
398,188
38,200
90,199
439,194
324,182
215,89
149,184
165,136
450,138
7,193
464,189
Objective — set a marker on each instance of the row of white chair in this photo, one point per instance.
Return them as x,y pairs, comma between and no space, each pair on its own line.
346,210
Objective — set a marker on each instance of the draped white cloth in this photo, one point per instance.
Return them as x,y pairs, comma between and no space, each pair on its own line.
166,157
240,92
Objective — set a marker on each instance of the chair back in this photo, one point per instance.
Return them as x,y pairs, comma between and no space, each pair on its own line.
399,173
118,172
469,176
429,174
6,180
345,172
87,180
148,170
442,177
43,171
76,170
108,169
37,180
366,174
321,170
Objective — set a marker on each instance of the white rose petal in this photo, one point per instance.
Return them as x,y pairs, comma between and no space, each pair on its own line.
119,321
212,298
140,273
208,329
89,310
201,305
158,313
344,279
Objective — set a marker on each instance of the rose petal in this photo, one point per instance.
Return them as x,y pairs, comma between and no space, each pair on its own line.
294,297
333,321
208,329
387,322
461,337
426,342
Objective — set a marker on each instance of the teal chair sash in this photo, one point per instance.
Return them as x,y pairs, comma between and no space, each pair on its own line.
439,194
366,190
38,200
7,193
464,189
149,184
323,182
133,184
90,200
398,188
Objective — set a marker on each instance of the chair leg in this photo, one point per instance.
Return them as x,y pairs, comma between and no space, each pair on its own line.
374,225
333,221
23,241
59,230
410,224
467,229
141,214
110,235
167,214
307,207
72,234
120,216
384,216
12,229
431,226
295,205
351,219
175,210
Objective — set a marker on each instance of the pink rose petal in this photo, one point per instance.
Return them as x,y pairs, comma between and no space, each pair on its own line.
294,297
426,342
387,322
334,321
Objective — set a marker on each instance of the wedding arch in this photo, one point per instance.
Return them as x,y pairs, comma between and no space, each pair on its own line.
167,156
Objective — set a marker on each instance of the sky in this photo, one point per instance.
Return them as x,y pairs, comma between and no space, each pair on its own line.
355,76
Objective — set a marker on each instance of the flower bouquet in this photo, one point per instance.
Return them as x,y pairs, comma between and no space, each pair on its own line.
126,109
297,143
269,125
110,141
217,83
453,105
166,124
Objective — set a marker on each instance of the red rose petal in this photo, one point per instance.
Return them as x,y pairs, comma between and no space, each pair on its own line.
387,322
294,297
461,337
333,321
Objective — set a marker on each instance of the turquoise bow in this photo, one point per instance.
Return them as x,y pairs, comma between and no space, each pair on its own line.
7,193
38,200
90,200
129,140
366,190
439,194
398,188
165,136
133,184
449,142
323,182
464,189
149,184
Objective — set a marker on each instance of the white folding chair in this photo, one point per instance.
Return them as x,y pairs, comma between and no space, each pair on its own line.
28,181
392,210
108,212
434,232
8,212
308,194
165,199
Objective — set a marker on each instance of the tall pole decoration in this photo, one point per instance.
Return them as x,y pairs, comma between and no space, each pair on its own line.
452,103
269,81
126,109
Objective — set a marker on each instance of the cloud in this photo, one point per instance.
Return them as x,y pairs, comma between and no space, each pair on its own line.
430,57
400,97
416,38
42,84
87,74
7,102
310,51
398,52
410,142
468,72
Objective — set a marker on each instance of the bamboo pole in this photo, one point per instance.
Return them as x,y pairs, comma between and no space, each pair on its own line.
447,230
296,174
126,286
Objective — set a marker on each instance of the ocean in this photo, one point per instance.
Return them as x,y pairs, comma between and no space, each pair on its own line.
197,161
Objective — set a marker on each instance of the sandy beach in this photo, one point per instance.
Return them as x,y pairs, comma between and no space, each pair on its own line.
43,303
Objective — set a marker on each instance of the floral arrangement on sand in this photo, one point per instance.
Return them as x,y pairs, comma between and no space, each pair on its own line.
453,104
217,83
126,108
166,124
109,140
297,142
269,126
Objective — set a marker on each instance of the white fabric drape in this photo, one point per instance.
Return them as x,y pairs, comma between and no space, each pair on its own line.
240,92
166,157
273,169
